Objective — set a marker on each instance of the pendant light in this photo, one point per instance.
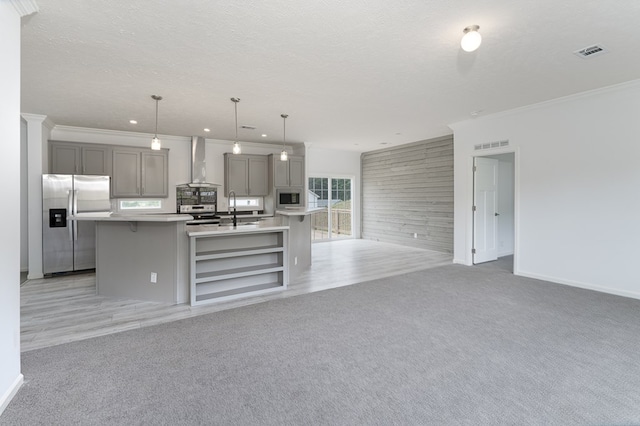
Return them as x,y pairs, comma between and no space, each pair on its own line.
283,155
471,39
236,144
155,142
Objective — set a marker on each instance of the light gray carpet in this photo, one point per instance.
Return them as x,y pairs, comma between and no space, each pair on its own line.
451,345
503,264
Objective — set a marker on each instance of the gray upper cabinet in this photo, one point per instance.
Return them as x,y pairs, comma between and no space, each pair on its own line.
95,160
126,173
77,158
296,171
155,174
287,173
135,172
247,175
258,175
140,173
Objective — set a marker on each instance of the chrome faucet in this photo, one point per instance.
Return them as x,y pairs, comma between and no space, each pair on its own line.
235,207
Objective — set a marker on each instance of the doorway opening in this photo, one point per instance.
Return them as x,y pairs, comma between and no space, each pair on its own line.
494,211
336,222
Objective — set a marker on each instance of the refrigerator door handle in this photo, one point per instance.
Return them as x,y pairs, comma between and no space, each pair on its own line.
69,212
75,202
75,212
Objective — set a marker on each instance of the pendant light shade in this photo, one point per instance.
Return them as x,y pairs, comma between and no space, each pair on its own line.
283,155
471,39
155,142
236,144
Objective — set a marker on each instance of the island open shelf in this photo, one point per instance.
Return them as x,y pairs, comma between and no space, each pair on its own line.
226,266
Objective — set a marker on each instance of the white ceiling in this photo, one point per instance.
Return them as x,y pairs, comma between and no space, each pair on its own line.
352,75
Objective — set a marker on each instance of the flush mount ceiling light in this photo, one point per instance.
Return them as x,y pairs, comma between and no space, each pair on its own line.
471,39
236,144
283,155
155,142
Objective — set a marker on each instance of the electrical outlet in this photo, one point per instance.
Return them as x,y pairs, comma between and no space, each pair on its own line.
295,260
154,277
415,235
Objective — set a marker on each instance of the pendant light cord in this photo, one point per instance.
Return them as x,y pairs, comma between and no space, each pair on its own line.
235,104
284,130
157,118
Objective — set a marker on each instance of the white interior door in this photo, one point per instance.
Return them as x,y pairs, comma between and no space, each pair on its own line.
485,217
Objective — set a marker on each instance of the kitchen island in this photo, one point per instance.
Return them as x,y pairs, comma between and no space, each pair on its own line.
142,256
156,257
299,222
228,262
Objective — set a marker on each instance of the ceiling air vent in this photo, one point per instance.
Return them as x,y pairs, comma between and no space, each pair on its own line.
491,145
591,51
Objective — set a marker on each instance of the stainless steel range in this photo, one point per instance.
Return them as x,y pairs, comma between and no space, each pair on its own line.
198,198
199,202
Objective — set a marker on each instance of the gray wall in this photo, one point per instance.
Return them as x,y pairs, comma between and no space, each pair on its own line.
408,190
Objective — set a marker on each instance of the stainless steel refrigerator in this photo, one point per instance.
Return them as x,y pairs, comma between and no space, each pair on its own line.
70,245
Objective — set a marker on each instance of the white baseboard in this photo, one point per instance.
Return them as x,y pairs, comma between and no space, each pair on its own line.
461,262
10,393
623,293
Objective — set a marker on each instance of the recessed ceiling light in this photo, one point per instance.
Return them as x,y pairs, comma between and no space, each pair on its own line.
133,121
264,135
207,130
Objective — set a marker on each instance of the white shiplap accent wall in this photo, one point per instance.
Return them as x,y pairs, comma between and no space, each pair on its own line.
408,190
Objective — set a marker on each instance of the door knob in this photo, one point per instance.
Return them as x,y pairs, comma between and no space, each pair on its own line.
496,214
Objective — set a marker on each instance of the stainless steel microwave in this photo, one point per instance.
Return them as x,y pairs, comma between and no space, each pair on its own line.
289,197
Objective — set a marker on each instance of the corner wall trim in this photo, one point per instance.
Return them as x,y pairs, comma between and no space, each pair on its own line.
613,291
10,393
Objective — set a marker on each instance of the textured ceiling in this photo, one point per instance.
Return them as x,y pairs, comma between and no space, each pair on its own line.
352,75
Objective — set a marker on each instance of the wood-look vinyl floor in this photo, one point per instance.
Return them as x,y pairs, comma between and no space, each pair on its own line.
66,308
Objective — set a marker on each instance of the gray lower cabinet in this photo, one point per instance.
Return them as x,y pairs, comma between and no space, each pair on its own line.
227,266
288,173
140,173
78,158
247,175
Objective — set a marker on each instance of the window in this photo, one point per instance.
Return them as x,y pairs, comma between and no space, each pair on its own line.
247,204
140,204
334,194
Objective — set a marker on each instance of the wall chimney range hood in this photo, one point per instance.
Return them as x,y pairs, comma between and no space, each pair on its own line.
198,165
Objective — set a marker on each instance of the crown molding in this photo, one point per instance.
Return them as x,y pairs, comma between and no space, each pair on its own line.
25,7
122,133
139,135
33,117
620,87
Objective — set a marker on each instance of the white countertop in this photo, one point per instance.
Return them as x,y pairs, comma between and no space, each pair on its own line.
299,211
244,216
264,225
119,217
